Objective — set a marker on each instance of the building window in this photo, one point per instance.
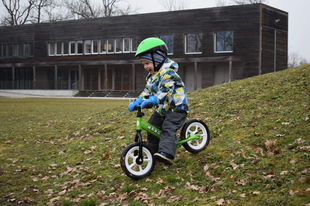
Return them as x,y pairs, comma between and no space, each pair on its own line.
168,39
66,48
110,45
51,49
118,45
58,48
9,50
95,47
193,43
4,51
18,50
28,51
15,50
72,47
103,46
126,45
87,47
21,50
79,47
134,44
223,41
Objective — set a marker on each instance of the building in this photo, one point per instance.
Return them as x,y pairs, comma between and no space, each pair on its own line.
211,46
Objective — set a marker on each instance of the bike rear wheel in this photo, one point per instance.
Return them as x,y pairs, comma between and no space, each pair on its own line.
129,162
192,127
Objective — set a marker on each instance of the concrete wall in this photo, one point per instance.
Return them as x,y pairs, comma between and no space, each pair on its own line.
48,93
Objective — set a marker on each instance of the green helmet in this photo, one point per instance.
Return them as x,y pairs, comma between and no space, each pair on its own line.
151,45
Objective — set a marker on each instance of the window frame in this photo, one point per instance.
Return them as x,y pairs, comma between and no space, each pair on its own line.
79,43
30,49
70,48
51,45
118,40
92,46
104,46
215,42
186,42
131,44
161,36
85,47
4,50
9,50
56,49
126,51
112,50
63,48
16,50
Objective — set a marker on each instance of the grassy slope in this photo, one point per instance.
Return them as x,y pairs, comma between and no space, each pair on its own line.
259,153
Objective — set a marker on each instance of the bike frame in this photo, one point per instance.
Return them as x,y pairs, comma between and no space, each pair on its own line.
143,125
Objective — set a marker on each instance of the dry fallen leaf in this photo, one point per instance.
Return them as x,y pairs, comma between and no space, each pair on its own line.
88,152
256,192
54,199
192,187
62,192
234,165
195,200
220,202
205,168
270,154
284,173
304,179
106,156
159,181
174,198
270,144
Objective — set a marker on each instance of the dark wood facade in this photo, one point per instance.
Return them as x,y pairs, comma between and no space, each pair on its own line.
260,38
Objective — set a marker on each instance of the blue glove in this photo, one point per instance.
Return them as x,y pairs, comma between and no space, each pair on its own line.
132,106
152,99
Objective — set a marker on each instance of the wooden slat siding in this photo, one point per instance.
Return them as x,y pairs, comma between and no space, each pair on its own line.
16,34
268,50
282,50
243,20
270,15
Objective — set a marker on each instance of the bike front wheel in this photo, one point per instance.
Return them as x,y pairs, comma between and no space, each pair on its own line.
192,127
129,162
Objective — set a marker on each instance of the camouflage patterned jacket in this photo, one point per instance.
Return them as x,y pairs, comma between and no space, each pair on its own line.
168,87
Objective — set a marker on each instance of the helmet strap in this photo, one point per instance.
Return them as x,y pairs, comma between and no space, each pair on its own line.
159,65
155,68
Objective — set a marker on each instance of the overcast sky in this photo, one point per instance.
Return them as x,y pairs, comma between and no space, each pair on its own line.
299,19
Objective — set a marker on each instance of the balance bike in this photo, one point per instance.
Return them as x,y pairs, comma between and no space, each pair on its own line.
137,159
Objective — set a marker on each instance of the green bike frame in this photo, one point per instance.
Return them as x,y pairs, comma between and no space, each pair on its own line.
143,125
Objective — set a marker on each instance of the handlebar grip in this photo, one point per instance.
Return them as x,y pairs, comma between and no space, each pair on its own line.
149,105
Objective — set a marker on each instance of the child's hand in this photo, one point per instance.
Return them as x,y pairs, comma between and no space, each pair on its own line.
151,100
133,105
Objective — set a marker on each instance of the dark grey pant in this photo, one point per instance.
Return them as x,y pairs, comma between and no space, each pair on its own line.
168,125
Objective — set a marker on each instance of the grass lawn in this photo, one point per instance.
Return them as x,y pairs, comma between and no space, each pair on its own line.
66,151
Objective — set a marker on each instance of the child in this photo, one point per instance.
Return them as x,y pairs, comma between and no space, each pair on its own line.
166,91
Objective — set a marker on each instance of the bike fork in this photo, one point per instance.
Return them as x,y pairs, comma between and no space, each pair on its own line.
138,139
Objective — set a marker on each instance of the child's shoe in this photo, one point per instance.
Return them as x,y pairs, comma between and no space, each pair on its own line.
163,157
